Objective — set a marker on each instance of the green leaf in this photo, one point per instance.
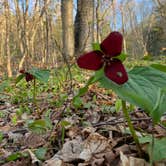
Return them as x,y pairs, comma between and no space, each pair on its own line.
13,157
159,67
1,136
121,57
147,58
77,102
118,105
146,139
4,85
96,47
159,147
40,153
65,123
19,78
143,89
38,126
40,74
48,123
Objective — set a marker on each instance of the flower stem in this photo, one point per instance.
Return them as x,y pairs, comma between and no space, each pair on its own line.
131,128
34,91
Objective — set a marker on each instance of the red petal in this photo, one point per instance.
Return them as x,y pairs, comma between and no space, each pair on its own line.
116,72
29,77
112,45
91,60
22,71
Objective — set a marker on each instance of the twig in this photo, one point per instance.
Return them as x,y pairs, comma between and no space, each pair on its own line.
113,122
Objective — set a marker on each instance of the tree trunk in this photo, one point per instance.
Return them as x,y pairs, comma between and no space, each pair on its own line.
7,40
67,28
98,37
123,28
114,14
84,26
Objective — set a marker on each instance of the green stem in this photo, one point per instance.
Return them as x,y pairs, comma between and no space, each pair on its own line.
131,128
34,92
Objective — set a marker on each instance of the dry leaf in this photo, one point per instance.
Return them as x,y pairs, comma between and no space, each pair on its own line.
94,144
33,140
71,150
132,161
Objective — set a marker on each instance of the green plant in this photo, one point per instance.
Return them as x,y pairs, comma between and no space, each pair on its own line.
145,87
63,124
156,147
33,75
1,136
39,126
40,153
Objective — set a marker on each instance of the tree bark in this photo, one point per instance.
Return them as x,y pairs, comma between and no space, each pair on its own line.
7,40
67,28
84,26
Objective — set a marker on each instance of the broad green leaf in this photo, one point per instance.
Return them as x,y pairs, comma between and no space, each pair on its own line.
143,89
40,74
38,126
156,77
40,153
96,46
159,147
121,57
146,139
159,109
159,67
19,78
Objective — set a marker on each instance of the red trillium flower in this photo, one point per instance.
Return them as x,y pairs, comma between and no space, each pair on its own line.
28,76
110,48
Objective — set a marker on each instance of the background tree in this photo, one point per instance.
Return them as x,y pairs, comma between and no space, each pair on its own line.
38,32
7,38
84,26
156,44
67,28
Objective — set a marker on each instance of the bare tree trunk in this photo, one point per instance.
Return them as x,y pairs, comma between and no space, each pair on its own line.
98,21
84,26
7,40
22,30
123,28
67,28
114,13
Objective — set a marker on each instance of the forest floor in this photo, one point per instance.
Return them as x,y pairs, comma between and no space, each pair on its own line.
55,132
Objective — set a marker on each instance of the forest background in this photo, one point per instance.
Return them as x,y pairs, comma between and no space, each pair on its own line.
49,33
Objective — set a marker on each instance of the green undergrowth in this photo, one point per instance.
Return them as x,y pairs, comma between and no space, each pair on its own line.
144,89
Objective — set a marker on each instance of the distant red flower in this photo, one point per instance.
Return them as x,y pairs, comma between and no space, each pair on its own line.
28,76
113,68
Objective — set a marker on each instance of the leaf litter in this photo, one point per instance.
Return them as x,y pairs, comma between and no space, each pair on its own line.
92,134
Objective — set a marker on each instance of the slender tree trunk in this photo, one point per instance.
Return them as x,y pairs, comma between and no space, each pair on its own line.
21,17
84,26
67,28
98,21
123,28
114,14
7,40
